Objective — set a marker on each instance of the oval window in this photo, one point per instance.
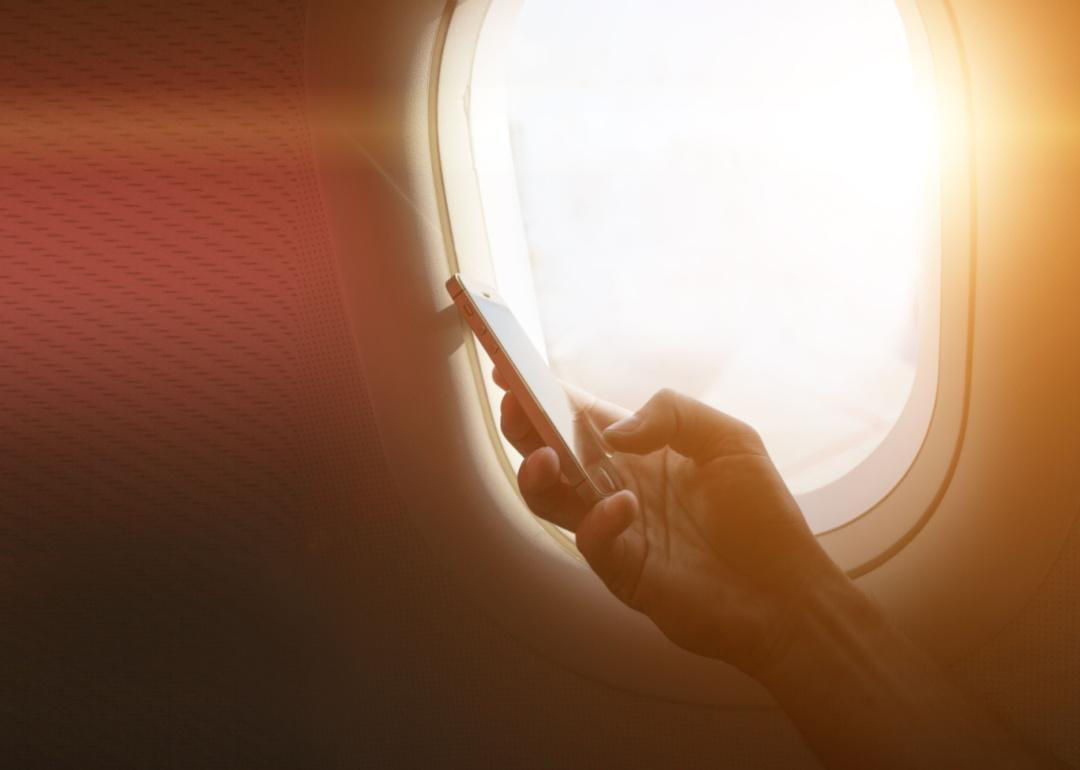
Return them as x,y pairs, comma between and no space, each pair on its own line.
735,200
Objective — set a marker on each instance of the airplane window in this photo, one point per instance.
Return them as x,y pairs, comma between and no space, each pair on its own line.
735,200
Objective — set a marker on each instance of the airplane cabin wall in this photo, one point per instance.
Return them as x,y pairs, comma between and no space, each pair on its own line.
211,561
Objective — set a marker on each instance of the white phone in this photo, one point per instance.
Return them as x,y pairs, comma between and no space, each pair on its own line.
563,424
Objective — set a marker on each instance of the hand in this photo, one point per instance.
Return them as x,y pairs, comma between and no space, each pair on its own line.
705,538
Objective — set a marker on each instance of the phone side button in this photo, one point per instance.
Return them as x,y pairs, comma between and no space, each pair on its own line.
587,493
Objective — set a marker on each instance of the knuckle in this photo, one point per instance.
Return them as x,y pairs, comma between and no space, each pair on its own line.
664,401
750,436
675,401
666,396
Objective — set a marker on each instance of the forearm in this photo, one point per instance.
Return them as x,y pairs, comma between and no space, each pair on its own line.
863,696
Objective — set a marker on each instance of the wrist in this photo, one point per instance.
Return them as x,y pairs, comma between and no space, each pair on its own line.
826,621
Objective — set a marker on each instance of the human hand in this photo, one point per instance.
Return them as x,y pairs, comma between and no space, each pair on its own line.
704,539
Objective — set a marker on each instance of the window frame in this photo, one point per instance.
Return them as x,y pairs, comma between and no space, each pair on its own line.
886,502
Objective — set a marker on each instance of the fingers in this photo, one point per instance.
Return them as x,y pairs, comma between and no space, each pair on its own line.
545,492
517,427
614,554
690,427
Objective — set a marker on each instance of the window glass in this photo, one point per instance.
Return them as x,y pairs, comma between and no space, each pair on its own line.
730,199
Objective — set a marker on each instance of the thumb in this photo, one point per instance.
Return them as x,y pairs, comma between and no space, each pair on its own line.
691,428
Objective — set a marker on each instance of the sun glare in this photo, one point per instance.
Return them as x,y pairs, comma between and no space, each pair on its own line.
732,199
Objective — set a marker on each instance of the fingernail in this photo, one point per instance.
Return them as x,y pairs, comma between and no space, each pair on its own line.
625,425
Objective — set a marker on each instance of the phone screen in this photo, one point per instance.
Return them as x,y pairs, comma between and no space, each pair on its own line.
565,411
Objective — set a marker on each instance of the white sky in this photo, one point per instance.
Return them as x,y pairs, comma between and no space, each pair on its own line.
728,198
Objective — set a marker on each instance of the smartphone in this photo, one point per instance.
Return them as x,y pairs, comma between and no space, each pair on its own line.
562,420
